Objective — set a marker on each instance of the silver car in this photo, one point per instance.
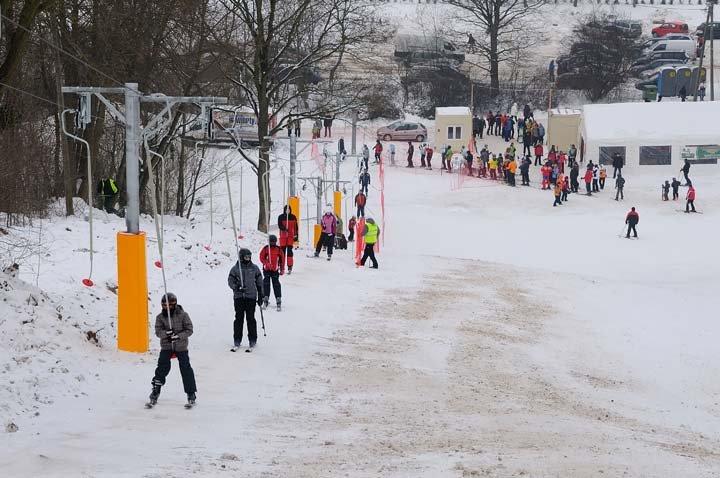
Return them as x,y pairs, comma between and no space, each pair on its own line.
403,131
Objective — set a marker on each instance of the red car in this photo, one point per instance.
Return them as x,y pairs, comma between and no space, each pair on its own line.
670,27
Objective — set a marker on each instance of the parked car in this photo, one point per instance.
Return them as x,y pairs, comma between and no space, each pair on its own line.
670,36
670,27
633,28
403,131
414,48
661,55
700,31
688,46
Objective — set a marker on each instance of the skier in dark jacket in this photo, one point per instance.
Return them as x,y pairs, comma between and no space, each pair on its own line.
632,219
410,152
173,327
620,186
675,185
364,181
574,173
525,171
245,280
686,170
617,163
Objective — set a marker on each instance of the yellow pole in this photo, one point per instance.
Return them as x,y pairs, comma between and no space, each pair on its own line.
132,324
294,203
337,204
316,236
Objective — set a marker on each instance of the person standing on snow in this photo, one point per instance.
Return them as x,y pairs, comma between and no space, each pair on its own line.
690,197
603,176
525,171
620,185
686,170
364,181
288,226
360,201
392,154
173,327
538,154
272,259
370,233
378,148
341,148
632,219
588,179
423,152
245,280
595,178
572,154
328,224
490,122
675,185
448,158
617,163
557,192
351,226
574,173
366,156
666,191
410,152
428,157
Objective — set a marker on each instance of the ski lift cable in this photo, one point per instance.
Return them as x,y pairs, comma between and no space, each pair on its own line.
154,190
87,281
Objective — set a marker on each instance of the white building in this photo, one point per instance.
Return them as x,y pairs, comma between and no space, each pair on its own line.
453,127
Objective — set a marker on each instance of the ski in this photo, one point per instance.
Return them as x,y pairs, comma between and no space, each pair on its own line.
278,308
149,405
248,350
235,348
625,237
689,212
188,406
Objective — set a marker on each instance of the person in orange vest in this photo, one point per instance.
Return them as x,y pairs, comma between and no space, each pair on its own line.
557,192
603,176
360,201
632,219
288,226
690,197
512,167
273,261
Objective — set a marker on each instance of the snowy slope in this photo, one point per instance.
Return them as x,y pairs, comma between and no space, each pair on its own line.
500,337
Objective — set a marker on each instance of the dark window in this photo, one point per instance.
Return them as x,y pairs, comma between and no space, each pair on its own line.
655,155
607,152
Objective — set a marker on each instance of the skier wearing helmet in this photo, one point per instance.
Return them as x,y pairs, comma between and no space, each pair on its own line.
327,237
245,280
173,327
271,257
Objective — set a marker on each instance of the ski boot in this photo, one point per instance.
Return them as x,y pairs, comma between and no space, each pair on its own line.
278,303
329,257
191,400
265,303
289,270
155,394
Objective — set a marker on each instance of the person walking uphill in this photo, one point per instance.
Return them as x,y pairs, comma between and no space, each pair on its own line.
364,181
271,257
245,280
370,233
288,226
328,223
632,219
173,327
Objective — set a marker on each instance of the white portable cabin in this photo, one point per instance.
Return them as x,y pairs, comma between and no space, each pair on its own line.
562,128
651,134
453,126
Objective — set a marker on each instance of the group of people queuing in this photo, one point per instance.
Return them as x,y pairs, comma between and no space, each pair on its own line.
675,186
529,131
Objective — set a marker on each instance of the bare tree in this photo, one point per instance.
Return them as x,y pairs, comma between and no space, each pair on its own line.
279,47
502,22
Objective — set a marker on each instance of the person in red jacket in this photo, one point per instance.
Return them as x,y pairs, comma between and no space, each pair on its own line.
545,171
588,180
273,260
288,226
378,148
351,226
690,199
632,219
360,200
538,154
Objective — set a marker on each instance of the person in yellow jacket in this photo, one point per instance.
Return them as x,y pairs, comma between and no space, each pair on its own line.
492,164
370,233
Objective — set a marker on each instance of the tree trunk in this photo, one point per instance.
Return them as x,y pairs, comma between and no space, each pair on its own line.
263,177
494,64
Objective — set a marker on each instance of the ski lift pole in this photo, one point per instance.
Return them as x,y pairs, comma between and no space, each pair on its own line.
88,282
155,213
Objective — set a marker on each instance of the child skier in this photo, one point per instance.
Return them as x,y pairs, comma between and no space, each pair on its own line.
272,259
675,185
351,225
603,176
666,191
173,327
328,224
556,192
565,189
690,199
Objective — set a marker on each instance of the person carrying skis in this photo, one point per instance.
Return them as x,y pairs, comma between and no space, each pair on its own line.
392,154
173,327
351,226
632,219
360,201
364,181
378,148
686,170
410,152
690,197
328,223
288,226
272,259
370,233
619,185
675,186
588,180
666,191
245,280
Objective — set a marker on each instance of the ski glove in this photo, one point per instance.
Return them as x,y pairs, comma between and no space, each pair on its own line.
260,301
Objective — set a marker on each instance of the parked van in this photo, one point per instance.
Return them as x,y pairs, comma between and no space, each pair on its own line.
671,36
688,46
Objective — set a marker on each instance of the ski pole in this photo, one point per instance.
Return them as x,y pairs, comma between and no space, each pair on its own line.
262,321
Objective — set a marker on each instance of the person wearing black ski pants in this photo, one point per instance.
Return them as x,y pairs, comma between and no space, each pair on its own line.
273,276
186,371
369,253
244,309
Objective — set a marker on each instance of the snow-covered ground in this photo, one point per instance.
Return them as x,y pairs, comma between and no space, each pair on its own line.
500,337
